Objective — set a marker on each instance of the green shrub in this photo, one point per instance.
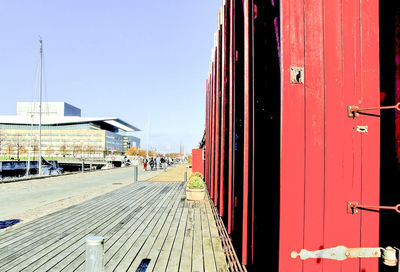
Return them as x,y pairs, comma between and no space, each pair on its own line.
196,183
196,174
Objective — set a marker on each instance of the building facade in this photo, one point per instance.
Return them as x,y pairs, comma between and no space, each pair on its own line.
48,109
63,133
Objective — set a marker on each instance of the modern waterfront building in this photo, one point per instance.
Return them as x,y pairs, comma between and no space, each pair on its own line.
64,132
48,109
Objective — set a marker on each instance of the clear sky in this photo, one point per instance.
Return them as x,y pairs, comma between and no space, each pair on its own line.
133,59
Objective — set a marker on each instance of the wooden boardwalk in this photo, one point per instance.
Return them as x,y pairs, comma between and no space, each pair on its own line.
146,220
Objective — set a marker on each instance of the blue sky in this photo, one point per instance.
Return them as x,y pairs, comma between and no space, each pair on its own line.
137,60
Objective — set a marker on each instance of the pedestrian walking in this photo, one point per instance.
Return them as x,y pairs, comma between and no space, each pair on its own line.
151,164
145,164
158,163
163,164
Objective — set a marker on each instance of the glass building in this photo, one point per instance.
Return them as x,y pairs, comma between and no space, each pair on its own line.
63,132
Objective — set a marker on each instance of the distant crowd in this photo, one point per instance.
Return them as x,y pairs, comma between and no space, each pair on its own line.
157,163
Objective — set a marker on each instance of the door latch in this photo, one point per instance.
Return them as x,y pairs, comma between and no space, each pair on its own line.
354,111
341,253
362,129
352,207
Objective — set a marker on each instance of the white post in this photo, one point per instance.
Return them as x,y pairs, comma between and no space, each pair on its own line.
185,177
94,254
135,174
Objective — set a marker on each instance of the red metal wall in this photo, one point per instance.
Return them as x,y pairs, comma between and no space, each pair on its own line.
198,161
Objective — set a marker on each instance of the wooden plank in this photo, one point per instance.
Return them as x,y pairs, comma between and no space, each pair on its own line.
22,247
197,256
46,238
169,247
350,152
231,113
78,262
102,226
78,258
156,253
292,171
161,228
186,256
50,218
213,110
175,256
220,260
350,95
208,252
369,21
247,123
116,252
314,130
59,218
224,95
342,145
217,112
148,238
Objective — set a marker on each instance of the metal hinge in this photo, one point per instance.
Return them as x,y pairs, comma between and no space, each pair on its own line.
341,253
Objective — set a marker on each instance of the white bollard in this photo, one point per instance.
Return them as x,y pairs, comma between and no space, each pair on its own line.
135,174
185,176
94,254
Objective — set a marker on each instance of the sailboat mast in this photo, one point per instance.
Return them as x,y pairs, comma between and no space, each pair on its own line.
40,107
148,137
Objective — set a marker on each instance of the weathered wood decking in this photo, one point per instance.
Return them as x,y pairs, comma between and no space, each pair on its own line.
143,220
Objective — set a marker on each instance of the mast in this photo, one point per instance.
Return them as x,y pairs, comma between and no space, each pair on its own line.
30,145
40,106
148,137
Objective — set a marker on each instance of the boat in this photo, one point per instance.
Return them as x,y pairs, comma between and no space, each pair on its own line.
18,168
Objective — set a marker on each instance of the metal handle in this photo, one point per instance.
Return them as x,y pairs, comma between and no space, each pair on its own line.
341,253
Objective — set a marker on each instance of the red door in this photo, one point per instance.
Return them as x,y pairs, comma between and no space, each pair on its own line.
330,60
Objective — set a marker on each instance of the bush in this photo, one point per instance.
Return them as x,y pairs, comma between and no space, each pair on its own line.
196,183
196,174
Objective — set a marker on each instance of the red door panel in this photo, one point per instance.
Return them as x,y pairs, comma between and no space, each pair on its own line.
292,137
325,161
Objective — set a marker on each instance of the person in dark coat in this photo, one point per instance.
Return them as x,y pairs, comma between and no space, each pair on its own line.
163,164
151,164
